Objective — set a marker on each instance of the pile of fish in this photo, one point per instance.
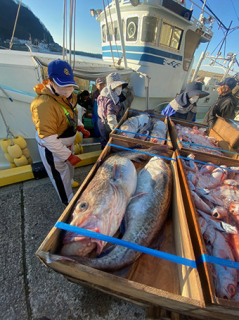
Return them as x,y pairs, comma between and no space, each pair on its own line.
198,137
144,127
116,192
216,196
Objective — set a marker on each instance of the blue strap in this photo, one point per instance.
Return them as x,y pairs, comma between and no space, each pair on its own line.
222,262
200,145
150,154
141,134
178,157
127,244
151,115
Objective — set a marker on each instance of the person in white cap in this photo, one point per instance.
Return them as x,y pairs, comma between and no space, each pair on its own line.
109,105
55,116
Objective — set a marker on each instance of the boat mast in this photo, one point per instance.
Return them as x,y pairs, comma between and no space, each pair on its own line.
15,24
121,33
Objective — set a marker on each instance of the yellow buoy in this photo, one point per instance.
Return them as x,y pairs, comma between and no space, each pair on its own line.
15,151
8,157
81,149
20,141
78,137
77,148
12,165
21,161
30,161
4,143
26,152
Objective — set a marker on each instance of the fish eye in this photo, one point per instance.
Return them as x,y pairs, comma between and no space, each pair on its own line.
83,205
231,288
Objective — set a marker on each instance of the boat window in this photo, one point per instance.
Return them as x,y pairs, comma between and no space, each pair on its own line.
132,29
191,43
116,30
149,29
110,32
103,33
171,36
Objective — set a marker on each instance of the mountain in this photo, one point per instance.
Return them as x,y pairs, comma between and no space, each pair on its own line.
27,23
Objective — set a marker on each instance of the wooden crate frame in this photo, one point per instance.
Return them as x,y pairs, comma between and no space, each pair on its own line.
213,303
131,112
211,133
188,297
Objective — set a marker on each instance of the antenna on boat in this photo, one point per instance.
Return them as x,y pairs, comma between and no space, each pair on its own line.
15,24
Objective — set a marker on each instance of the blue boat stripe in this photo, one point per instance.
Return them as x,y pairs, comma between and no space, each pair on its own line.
200,145
127,244
222,262
139,57
145,49
141,134
214,165
150,154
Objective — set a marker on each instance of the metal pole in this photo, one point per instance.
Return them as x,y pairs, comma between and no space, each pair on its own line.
15,24
203,54
121,32
147,90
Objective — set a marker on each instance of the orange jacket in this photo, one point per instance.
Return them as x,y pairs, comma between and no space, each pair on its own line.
47,114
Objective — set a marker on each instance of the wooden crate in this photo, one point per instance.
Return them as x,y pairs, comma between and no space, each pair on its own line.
224,145
177,144
131,113
152,281
229,309
228,133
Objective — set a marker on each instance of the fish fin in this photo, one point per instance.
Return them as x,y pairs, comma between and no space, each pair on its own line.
50,258
123,273
106,251
139,194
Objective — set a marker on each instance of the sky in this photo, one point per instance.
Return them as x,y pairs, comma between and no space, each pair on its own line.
88,38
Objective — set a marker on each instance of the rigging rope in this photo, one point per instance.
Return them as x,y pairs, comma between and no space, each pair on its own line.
112,27
108,33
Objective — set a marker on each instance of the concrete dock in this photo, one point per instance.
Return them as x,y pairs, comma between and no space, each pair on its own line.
30,290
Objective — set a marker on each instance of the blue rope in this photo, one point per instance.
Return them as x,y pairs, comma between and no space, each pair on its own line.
151,115
178,157
127,244
150,154
199,145
141,134
222,262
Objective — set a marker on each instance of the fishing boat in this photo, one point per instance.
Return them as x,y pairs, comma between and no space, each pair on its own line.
152,48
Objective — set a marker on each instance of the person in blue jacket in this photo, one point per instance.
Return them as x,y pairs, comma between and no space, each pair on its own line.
184,106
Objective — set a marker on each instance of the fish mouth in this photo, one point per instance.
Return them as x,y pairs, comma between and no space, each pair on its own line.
76,237
72,237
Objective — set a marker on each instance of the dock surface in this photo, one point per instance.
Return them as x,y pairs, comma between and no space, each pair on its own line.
32,291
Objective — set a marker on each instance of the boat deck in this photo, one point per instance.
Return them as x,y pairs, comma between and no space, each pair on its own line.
29,210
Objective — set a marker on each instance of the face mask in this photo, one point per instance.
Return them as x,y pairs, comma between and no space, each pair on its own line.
118,90
64,91
194,99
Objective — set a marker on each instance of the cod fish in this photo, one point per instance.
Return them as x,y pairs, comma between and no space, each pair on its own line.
103,203
144,217
134,124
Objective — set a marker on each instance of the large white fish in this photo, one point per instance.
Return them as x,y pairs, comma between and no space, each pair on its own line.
103,203
158,132
145,216
134,124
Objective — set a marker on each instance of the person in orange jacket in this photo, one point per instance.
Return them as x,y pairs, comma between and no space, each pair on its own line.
55,116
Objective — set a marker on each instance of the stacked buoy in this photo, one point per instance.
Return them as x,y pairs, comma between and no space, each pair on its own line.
77,144
16,151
